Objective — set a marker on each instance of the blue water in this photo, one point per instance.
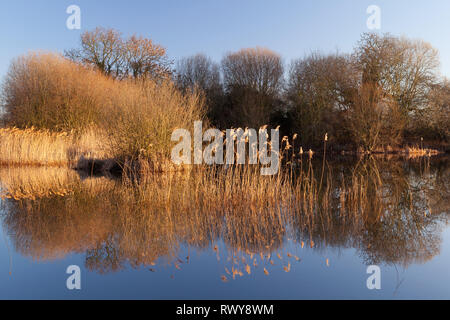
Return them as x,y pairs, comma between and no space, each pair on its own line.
311,278
325,271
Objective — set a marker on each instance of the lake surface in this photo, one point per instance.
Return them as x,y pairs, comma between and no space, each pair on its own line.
53,218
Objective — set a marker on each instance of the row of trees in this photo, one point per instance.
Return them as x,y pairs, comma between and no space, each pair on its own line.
387,88
245,90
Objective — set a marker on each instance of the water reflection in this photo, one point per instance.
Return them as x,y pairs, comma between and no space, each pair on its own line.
391,211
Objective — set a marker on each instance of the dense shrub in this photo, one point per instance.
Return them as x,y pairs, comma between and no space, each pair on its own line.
47,91
143,117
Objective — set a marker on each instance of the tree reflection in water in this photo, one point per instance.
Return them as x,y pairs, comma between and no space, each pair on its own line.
391,211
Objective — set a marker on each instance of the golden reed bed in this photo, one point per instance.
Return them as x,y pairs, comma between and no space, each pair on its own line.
35,147
48,148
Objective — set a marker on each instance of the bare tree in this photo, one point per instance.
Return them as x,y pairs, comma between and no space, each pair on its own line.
433,122
405,69
136,57
318,92
374,118
257,68
101,48
200,73
144,59
253,79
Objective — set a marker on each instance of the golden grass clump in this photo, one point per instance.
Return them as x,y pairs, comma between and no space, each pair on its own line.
49,148
31,146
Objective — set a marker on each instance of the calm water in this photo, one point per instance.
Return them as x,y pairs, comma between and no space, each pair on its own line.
52,218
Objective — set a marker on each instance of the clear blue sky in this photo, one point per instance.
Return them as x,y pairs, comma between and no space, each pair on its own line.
291,27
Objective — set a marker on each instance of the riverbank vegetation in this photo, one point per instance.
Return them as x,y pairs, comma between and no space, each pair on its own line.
119,99
72,111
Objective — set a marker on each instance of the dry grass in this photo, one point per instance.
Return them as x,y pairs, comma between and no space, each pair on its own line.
143,117
146,216
31,146
47,148
144,221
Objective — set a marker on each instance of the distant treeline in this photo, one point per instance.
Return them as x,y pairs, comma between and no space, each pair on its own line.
385,93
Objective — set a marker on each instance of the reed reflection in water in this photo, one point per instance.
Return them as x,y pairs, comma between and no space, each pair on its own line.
390,211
